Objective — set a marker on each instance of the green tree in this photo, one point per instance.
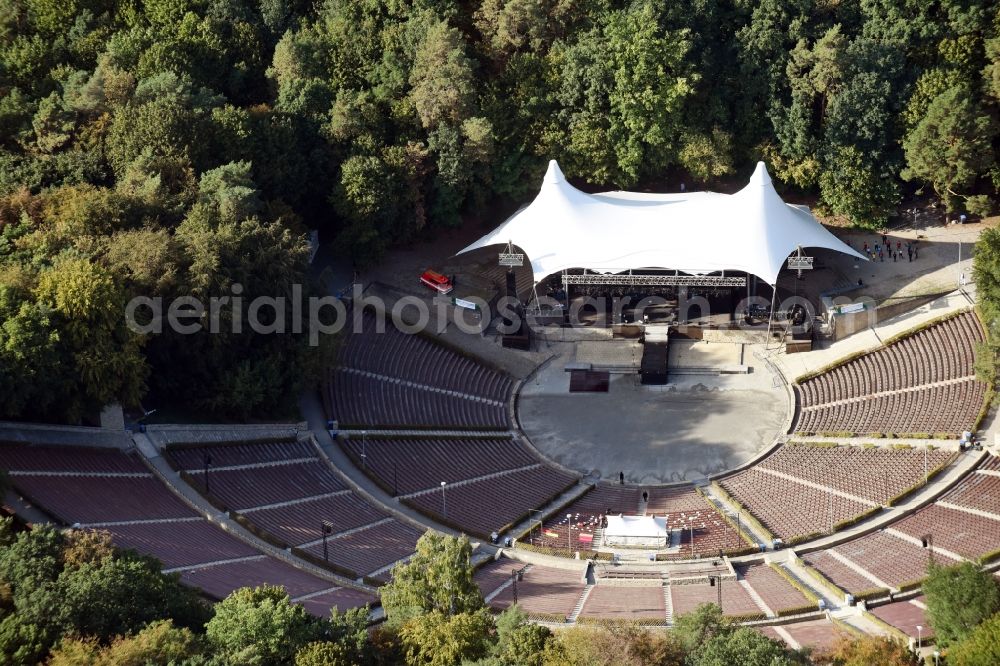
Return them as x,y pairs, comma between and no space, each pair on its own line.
160,642
741,647
858,188
437,639
981,647
951,146
438,578
959,598
443,86
519,641
262,626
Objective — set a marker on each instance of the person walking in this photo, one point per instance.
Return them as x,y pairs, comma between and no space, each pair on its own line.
909,253
621,478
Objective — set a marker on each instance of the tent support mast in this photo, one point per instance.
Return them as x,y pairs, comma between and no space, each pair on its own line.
770,315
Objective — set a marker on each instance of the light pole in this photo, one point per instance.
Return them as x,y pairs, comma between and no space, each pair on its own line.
569,534
831,511
207,459
920,629
326,529
444,502
513,578
364,449
925,465
937,655
716,582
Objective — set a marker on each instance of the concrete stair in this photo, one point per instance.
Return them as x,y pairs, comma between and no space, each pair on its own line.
668,604
580,602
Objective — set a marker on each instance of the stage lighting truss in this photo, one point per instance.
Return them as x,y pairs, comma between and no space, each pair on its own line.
655,280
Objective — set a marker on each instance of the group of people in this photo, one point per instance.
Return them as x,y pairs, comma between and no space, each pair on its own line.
880,250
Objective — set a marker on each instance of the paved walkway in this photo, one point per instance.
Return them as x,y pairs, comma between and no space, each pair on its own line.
191,497
312,411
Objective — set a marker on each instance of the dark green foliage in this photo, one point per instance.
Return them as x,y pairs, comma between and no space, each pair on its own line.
380,123
959,598
73,584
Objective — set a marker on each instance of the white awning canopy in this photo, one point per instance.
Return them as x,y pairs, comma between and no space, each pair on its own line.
646,531
752,231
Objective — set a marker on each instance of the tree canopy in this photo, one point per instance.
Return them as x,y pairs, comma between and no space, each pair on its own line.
182,147
959,598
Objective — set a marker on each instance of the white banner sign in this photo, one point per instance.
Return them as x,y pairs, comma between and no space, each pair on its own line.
511,259
462,303
850,307
800,263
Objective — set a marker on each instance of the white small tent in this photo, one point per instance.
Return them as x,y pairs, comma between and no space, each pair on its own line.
641,531
752,231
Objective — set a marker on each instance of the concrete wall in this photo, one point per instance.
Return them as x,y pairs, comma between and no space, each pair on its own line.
854,322
40,433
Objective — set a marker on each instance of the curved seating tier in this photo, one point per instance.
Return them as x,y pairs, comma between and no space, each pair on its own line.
816,634
542,590
790,508
413,464
907,616
793,490
735,599
612,602
772,587
286,490
923,383
494,503
112,490
398,380
490,482
877,474
896,555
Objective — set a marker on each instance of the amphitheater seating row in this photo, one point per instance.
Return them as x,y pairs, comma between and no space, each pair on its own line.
788,508
979,491
877,474
92,487
816,634
735,599
942,408
362,400
613,602
941,352
286,490
772,587
966,534
895,555
411,465
890,559
543,590
414,358
906,616
482,506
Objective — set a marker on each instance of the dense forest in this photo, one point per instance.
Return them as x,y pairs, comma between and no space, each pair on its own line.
71,599
176,147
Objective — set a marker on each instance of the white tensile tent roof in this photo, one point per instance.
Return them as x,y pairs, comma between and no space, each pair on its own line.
636,531
752,231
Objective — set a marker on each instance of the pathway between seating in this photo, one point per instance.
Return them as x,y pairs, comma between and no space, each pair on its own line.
312,411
